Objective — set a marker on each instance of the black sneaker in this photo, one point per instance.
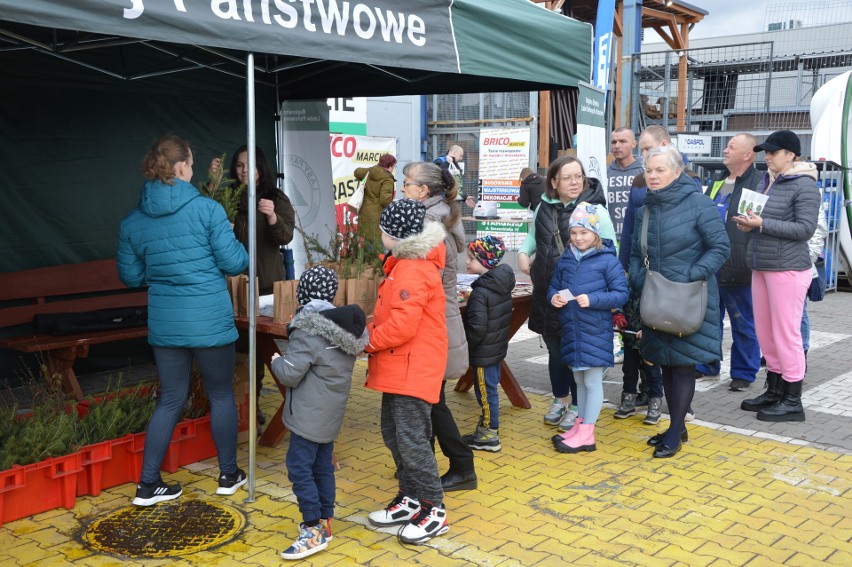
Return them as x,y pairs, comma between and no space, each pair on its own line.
160,492
230,483
739,385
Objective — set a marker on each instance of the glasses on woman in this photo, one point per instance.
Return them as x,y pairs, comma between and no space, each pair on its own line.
578,177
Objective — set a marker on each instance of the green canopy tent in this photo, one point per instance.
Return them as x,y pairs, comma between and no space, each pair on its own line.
87,84
328,47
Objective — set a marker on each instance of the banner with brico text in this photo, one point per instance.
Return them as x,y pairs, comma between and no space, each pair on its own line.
349,152
503,154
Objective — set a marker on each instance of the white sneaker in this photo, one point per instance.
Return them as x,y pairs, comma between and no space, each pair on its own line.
310,541
430,522
690,415
619,356
555,413
568,419
400,511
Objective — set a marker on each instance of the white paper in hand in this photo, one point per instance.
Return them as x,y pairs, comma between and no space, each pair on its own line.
751,201
566,294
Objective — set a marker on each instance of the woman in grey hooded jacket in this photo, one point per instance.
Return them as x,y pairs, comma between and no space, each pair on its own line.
437,189
781,273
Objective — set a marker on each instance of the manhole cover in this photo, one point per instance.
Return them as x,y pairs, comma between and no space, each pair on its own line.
165,530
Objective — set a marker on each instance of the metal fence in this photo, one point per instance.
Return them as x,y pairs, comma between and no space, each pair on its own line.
734,88
456,119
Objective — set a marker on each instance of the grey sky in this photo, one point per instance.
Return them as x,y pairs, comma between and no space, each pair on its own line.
727,17
733,17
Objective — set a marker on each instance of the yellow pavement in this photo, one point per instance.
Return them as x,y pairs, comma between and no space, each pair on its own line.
725,499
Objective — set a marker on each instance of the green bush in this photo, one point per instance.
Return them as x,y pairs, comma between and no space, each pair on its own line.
54,429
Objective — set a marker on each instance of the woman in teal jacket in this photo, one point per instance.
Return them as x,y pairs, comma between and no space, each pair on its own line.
180,244
687,242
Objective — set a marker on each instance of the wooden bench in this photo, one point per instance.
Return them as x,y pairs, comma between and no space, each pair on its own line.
69,288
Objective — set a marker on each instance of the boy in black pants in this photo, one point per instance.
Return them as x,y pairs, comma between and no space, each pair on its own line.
486,325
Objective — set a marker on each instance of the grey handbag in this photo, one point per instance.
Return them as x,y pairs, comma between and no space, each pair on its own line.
676,308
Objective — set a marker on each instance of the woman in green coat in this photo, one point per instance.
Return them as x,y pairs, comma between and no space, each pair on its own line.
378,194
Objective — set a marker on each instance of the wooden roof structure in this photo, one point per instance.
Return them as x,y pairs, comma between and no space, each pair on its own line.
671,19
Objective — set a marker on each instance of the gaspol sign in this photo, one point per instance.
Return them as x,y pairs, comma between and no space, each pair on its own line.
694,144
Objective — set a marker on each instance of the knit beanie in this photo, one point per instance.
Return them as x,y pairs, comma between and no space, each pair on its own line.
403,218
487,250
318,282
586,216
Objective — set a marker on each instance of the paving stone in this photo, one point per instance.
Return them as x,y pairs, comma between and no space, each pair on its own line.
740,491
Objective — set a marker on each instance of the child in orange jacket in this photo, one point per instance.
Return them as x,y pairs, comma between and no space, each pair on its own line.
408,354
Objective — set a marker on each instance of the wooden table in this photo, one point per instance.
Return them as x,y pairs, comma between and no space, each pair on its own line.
266,333
521,300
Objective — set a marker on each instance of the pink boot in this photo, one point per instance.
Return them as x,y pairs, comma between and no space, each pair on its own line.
568,434
583,440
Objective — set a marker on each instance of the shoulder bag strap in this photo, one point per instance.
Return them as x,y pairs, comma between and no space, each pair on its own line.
643,241
559,244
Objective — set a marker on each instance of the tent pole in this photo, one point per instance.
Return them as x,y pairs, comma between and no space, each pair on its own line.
252,250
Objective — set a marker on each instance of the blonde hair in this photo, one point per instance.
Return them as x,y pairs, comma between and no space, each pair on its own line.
159,163
658,133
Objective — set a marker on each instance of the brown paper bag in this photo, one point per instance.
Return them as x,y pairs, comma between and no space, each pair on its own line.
284,302
340,297
243,307
234,292
363,292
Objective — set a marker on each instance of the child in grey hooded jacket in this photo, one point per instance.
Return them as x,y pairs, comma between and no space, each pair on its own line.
317,371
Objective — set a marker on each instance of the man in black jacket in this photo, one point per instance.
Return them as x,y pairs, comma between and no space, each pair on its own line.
486,327
734,277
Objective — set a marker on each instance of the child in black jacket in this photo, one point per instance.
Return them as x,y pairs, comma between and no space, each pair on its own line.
486,325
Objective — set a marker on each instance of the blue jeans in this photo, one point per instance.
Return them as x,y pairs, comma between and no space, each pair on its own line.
806,328
488,377
174,366
745,351
561,378
310,470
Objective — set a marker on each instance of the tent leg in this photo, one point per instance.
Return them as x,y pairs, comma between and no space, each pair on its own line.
252,250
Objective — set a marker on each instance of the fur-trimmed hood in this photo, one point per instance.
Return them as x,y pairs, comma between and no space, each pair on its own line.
344,327
419,245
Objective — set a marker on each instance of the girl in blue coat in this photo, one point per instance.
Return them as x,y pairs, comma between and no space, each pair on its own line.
589,269
180,245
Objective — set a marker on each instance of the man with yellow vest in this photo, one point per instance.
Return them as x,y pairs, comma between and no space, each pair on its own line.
734,277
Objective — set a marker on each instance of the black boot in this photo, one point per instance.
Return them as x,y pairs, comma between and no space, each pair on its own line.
772,395
789,408
454,480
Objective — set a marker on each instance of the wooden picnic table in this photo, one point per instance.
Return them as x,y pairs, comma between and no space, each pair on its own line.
521,301
268,331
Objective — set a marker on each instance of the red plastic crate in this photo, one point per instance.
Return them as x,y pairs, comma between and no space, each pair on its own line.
192,442
111,463
39,487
